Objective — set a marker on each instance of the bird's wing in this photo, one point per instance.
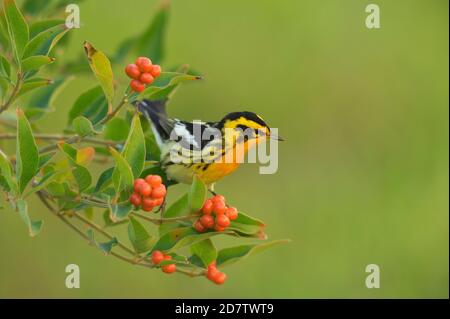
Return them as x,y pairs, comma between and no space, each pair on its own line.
195,135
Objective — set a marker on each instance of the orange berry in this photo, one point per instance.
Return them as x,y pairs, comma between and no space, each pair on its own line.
144,64
218,198
156,70
207,207
212,273
159,192
207,221
168,269
199,227
132,71
219,207
135,199
220,278
222,221
158,201
137,86
147,208
231,213
154,180
219,228
149,201
137,184
145,189
146,78
157,257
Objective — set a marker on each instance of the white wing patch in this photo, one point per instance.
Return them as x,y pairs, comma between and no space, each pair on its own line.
181,131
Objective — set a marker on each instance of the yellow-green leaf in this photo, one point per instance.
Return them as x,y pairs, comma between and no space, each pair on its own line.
101,67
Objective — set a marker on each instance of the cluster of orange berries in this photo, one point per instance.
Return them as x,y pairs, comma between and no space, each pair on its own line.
158,256
148,193
223,215
142,72
215,275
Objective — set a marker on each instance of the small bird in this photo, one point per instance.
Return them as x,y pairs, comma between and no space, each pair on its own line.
203,149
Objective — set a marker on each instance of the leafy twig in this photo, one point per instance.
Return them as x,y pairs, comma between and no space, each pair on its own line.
113,113
61,137
14,93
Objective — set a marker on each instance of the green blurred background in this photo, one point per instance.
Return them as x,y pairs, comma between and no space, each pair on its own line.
363,174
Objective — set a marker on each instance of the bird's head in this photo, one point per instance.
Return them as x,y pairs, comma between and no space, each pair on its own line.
251,124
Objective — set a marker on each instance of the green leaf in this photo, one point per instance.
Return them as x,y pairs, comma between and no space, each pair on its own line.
151,42
182,237
105,247
69,150
34,227
48,178
134,149
45,158
36,62
205,250
83,127
5,67
108,222
90,104
44,42
116,129
167,81
80,173
179,208
120,211
43,25
104,179
248,226
139,237
17,29
82,176
32,84
101,67
27,156
231,255
43,100
122,175
197,194
4,36
7,173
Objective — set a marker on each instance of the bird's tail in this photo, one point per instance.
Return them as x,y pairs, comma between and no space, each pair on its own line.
155,112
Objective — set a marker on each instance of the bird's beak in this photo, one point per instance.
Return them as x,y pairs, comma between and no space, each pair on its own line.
276,137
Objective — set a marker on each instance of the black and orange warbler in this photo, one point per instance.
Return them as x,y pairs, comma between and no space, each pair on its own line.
209,150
